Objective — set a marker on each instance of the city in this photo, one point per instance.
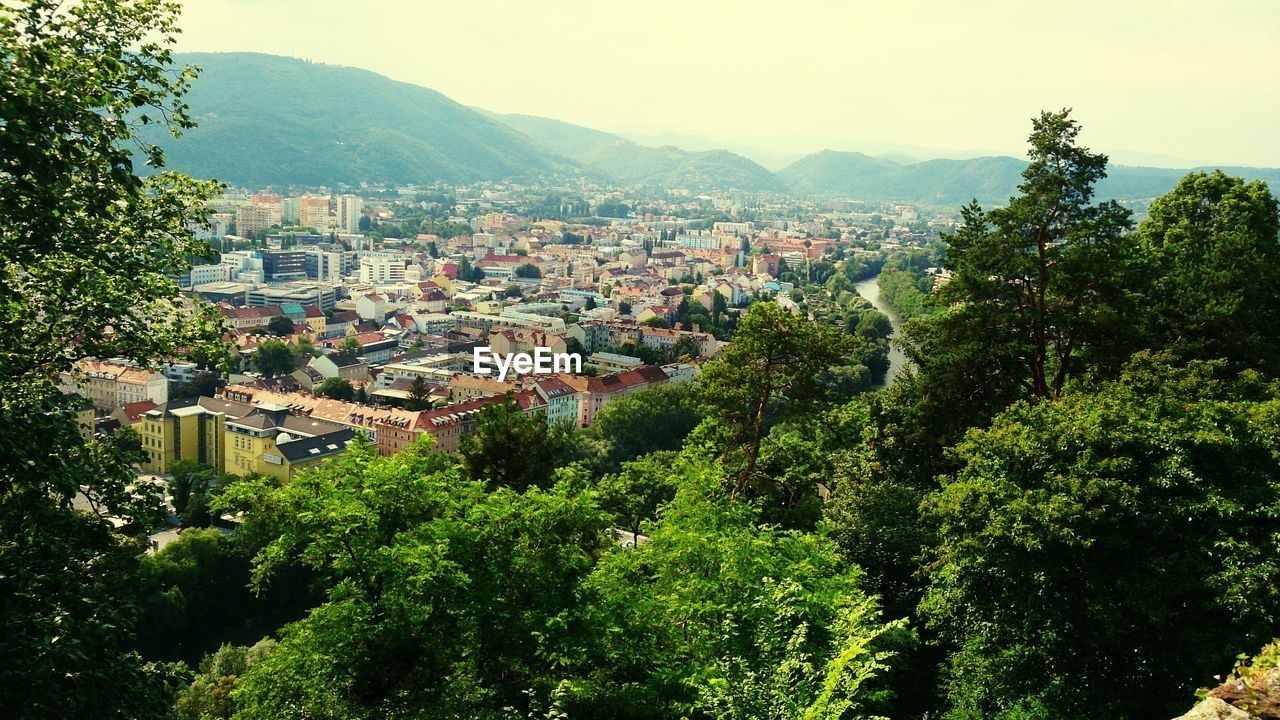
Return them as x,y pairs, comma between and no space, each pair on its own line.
448,361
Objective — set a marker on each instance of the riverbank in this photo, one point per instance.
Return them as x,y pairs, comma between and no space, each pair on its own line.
870,290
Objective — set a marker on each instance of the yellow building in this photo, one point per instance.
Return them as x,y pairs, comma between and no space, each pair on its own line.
271,441
86,417
188,429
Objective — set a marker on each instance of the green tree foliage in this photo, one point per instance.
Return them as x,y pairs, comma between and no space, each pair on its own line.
336,388
722,618
195,592
273,358
771,371
190,487
902,292
1212,251
88,250
1102,555
448,600
635,492
1040,292
528,270
444,600
208,697
513,449
204,384
656,418
419,394
280,325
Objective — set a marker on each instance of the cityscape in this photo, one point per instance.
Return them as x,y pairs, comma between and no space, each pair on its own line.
330,395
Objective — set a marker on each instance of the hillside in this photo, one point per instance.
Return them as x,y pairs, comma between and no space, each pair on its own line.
630,163
953,182
266,119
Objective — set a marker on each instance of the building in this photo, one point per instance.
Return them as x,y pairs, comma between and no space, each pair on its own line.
323,263
270,440
112,385
346,365
323,296
188,429
281,265
254,217
248,318
382,269
596,392
560,399
313,212
349,209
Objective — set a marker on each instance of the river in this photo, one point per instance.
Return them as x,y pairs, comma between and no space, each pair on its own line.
870,290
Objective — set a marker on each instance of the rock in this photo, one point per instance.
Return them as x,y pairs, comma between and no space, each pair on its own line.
1212,708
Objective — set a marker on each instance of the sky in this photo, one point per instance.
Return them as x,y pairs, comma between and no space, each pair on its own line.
1159,82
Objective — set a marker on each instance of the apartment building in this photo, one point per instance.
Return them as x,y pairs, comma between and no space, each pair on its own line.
313,212
188,429
112,385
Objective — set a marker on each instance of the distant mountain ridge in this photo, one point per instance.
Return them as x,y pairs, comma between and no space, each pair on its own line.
630,163
272,120
991,180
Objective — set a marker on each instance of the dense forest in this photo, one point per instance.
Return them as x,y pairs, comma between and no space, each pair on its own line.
1065,508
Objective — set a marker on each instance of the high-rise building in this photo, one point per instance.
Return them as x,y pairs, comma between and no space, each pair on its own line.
348,210
313,212
254,217
289,210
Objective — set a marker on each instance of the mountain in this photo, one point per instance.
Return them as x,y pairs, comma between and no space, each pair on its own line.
992,180
270,120
631,163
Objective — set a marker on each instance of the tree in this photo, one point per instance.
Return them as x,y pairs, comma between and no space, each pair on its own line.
528,270
771,371
718,616
419,394
442,599
78,79
350,344
719,306
203,384
208,697
656,322
624,308
654,419
280,325
590,304
336,388
1039,292
273,358
189,479
512,449
635,492
1063,519
685,348
1210,244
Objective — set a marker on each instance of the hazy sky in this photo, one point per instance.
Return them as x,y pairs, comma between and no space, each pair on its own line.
1181,80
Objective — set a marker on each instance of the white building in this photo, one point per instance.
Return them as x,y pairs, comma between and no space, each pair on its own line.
349,208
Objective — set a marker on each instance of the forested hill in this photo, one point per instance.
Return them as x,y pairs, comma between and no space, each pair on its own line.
265,119
270,120
627,162
992,180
